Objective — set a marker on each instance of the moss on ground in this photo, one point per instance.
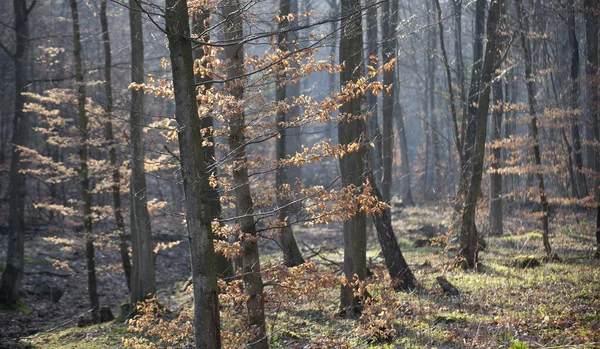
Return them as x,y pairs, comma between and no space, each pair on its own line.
101,336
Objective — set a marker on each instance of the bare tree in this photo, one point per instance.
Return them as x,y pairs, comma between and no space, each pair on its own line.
143,275
10,283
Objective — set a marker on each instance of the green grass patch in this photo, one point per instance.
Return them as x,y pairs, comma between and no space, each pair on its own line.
107,335
18,306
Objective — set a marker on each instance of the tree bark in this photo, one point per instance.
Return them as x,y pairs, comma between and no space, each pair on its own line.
496,227
388,33
253,284
372,49
580,181
112,151
591,33
529,78
224,266
291,253
351,165
143,282
10,283
468,233
195,178
83,170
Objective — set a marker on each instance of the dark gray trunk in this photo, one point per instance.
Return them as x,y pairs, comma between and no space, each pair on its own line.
143,276
388,33
468,233
495,178
112,151
351,165
10,283
580,181
83,167
195,179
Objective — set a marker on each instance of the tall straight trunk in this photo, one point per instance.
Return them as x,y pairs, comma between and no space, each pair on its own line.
433,121
406,192
291,253
580,182
253,284
10,284
143,281
112,151
351,165
476,85
388,33
83,170
457,139
591,47
524,23
372,49
510,127
195,179
457,9
224,265
468,234
495,178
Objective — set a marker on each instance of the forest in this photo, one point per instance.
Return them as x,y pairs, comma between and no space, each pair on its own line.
299,174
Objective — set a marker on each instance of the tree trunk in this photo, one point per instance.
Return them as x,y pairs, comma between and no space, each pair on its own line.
10,283
351,165
372,49
529,78
253,284
112,151
83,170
468,233
143,276
388,33
224,266
591,33
291,253
400,273
433,121
580,182
457,11
195,179
495,178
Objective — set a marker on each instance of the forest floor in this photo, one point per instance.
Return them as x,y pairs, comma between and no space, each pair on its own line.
505,304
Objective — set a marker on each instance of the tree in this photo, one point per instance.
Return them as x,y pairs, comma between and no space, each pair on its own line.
143,275
245,206
12,275
591,70
474,166
83,169
351,165
291,253
372,55
524,28
496,227
110,138
195,178
224,266
580,182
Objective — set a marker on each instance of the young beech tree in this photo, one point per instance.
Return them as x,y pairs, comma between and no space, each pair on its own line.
195,178
253,283
10,283
200,17
524,28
